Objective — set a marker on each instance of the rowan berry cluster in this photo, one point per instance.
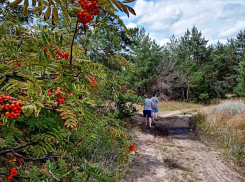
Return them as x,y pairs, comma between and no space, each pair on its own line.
59,97
125,63
89,9
44,168
15,62
14,109
58,54
132,147
93,81
13,172
124,88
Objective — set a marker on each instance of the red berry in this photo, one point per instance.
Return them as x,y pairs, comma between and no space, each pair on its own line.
6,62
71,95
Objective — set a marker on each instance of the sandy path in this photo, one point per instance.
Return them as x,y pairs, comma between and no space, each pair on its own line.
178,157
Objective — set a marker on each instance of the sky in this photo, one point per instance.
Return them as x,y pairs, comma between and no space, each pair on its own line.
216,19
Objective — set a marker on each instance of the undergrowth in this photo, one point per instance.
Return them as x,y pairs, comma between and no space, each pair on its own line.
224,126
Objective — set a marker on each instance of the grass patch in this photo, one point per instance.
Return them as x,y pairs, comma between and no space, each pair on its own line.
175,105
223,126
171,145
180,147
164,149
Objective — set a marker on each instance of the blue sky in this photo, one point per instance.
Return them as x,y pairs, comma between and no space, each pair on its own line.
216,19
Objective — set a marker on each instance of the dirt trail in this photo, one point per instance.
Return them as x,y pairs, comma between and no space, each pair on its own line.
177,157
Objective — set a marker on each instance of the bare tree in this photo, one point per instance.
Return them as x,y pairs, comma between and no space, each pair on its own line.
170,83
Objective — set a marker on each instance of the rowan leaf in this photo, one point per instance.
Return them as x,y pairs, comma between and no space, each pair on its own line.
38,9
47,14
76,9
128,1
65,12
124,8
26,4
34,3
54,16
43,2
117,4
15,3
131,10
58,2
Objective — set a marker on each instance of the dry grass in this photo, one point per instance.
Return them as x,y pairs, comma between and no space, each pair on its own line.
172,106
237,121
224,126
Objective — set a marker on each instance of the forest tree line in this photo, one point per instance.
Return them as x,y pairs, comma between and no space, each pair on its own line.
186,68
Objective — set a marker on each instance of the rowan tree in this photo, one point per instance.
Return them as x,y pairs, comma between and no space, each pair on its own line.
55,124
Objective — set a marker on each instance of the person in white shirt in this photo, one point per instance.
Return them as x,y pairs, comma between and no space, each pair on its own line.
147,110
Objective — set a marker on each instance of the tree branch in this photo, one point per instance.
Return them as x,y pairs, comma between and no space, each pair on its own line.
16,148
72,43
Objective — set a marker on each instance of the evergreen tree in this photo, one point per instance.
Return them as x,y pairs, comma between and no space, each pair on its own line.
240,41
240,89
146,55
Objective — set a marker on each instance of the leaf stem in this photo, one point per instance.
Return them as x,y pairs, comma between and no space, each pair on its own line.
72,43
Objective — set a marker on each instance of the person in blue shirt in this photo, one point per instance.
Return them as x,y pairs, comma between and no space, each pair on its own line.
147,110
154,109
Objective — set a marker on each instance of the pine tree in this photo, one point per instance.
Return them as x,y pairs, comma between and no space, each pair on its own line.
240,89
146,55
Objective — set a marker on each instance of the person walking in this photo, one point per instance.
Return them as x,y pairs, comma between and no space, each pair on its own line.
155,108
147,110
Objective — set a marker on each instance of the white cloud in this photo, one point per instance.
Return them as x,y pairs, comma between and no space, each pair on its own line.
131,25
217,19
164,41
240,25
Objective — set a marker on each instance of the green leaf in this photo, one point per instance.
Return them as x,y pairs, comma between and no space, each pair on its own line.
76,9
58,2
117,4
40,12
65,2
131,10
38,9
44,39
47,14
51,52
39,57
1,81
34,3
15,3
65,12
43,2
54,16
26,4
128,1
